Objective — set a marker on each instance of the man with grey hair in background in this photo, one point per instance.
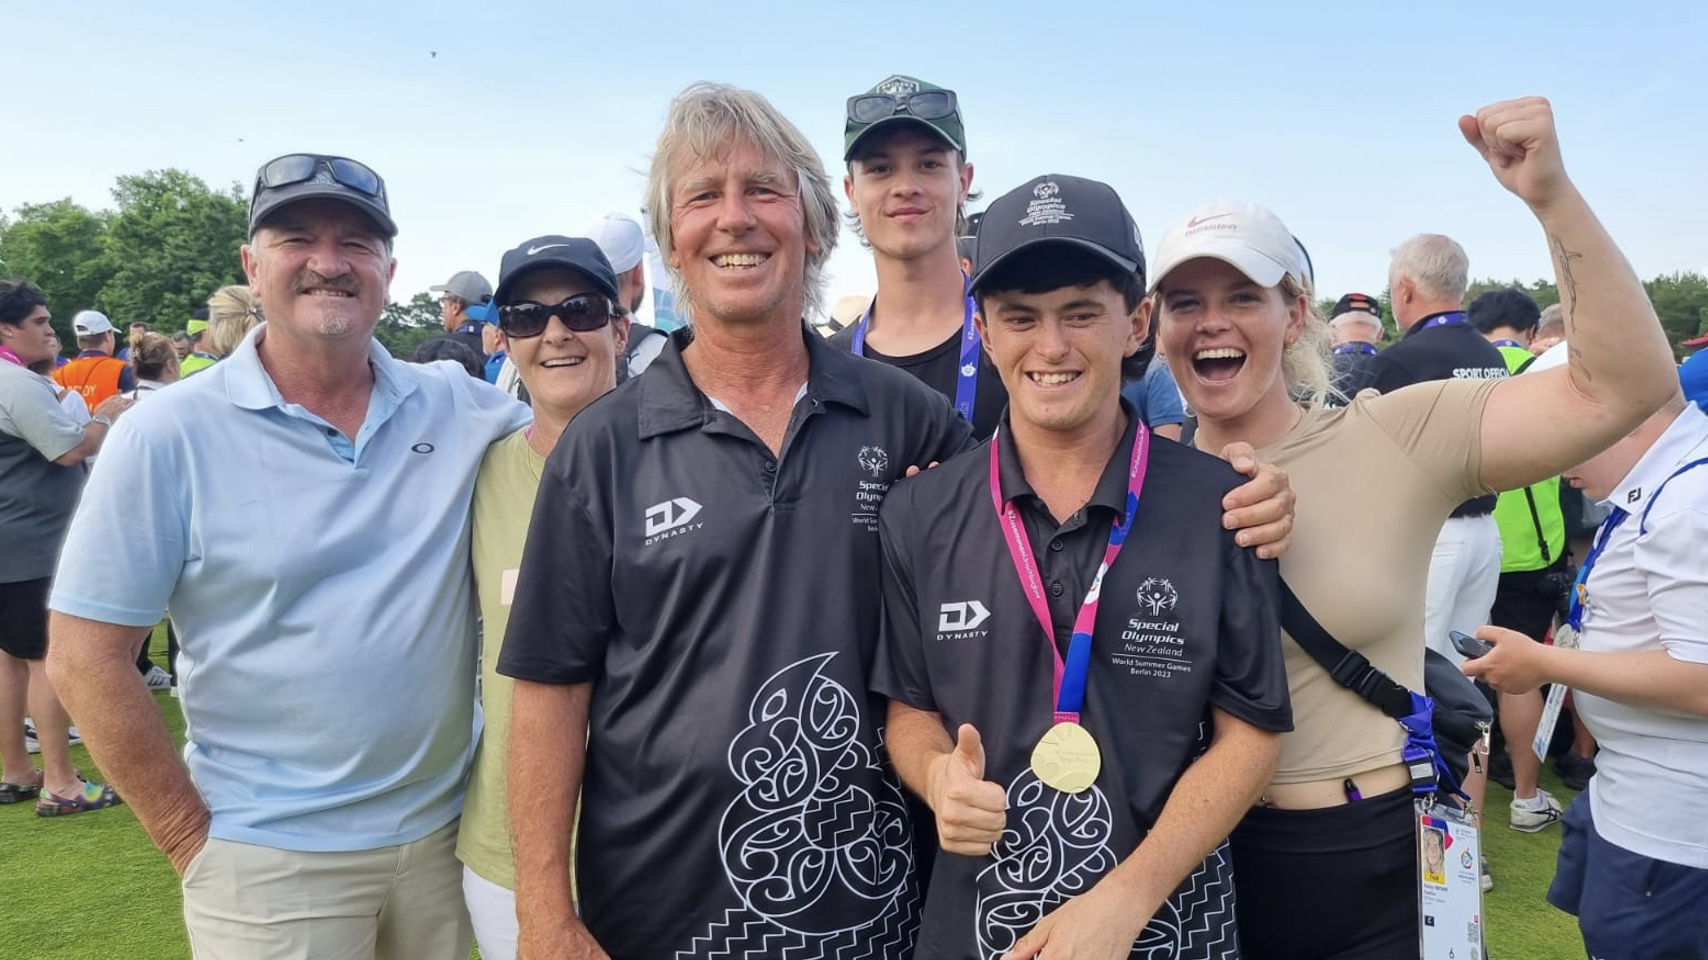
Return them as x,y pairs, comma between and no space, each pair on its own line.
1550,329
1356,326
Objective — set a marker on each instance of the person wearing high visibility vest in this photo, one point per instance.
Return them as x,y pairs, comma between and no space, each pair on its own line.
96,374
1533,569
199,359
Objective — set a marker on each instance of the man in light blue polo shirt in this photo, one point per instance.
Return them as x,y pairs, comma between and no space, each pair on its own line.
310,538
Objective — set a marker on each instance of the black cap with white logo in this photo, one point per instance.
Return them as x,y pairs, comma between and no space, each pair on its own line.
576,253
1058,209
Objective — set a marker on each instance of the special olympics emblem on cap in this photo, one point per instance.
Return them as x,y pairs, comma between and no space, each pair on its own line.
898,86
1046,190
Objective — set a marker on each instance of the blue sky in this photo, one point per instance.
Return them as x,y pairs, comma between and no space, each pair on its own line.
534,117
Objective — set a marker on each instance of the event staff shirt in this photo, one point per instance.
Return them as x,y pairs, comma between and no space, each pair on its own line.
723,601
1187,621
1648,591
1446,351
95,376
319,586
37,496
939,368
1533,528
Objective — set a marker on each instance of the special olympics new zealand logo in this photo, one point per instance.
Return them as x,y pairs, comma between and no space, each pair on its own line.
873,460
1157,595
1046,190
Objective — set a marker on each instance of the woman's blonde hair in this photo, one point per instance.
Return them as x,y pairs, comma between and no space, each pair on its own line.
232,312
152,355
1305,364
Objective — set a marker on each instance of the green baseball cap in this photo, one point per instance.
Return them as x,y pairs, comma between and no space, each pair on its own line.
904,99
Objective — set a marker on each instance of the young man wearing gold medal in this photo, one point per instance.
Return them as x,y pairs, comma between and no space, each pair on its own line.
1089,715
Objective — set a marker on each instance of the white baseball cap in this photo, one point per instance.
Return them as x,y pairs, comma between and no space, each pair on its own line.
1247,237
91,323
619,236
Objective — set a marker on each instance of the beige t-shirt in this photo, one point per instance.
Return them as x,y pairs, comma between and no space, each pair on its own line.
503,504
1375,479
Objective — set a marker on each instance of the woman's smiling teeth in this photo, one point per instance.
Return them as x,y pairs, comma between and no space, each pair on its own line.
1052,379
563,362
740,261
1218,365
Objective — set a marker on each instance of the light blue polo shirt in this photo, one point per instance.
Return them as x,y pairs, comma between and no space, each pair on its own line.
320,589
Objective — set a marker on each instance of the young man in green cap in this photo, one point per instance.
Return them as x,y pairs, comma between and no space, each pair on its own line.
907,185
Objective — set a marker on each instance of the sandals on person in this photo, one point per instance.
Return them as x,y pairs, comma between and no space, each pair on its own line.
93,796
17,792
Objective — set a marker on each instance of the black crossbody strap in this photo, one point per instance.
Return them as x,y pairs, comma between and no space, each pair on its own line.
1536,521
1349,668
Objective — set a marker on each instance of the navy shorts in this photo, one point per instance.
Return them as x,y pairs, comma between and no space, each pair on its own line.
1629,907
23,618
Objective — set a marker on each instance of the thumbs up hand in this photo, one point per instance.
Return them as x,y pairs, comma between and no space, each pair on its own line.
971,811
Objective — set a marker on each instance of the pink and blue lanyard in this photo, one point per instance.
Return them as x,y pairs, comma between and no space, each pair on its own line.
1069,684
967,374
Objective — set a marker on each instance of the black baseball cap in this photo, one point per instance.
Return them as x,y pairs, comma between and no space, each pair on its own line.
577,253
310,176
1058,209
1356,303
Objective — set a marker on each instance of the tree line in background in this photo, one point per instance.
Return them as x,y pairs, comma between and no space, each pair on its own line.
171,240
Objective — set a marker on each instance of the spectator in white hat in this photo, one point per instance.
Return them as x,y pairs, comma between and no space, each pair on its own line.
620,238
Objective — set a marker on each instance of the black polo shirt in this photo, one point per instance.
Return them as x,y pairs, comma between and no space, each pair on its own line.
1187,621
724,603
1351,370
1450,351
939,368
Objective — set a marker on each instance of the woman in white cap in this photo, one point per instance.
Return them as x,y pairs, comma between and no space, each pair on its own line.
1249,352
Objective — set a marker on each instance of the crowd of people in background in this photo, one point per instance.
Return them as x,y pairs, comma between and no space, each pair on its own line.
1062,599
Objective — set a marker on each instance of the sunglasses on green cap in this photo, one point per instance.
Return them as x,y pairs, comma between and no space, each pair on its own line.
869,108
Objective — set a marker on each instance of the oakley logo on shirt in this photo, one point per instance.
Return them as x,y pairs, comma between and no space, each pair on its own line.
960,616
670,519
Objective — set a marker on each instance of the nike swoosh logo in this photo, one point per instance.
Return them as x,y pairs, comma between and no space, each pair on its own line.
534,250
1200,221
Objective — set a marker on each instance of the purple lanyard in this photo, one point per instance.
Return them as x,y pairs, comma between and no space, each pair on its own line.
1069,683
1368,349
967,375
1503,342
1445,319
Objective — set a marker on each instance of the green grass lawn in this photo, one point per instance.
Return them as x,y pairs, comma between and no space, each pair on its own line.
92,886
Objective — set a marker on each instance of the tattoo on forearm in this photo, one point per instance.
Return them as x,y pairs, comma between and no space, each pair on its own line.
1575,355
1568,283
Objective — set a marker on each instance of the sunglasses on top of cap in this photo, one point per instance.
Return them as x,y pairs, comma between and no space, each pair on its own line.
303,167
581,313
924,105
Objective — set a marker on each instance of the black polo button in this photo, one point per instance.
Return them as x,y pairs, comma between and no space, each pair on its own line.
1055,588
770,466
1056,545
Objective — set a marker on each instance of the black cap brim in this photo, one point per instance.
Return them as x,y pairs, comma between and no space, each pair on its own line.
1126,264
273,200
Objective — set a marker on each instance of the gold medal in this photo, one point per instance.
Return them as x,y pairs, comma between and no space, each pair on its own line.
1067,758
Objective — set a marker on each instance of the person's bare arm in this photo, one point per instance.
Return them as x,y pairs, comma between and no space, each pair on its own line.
1654,679
971,811
548,754
95,432
1168,430
1620,368
1208,800
93,667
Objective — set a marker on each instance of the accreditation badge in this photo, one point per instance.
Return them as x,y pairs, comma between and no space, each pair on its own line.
1449,881
1566,639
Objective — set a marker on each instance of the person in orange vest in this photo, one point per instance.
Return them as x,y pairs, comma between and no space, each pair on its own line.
96,374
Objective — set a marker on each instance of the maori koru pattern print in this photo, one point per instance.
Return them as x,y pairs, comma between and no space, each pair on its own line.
1057,846
817,845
